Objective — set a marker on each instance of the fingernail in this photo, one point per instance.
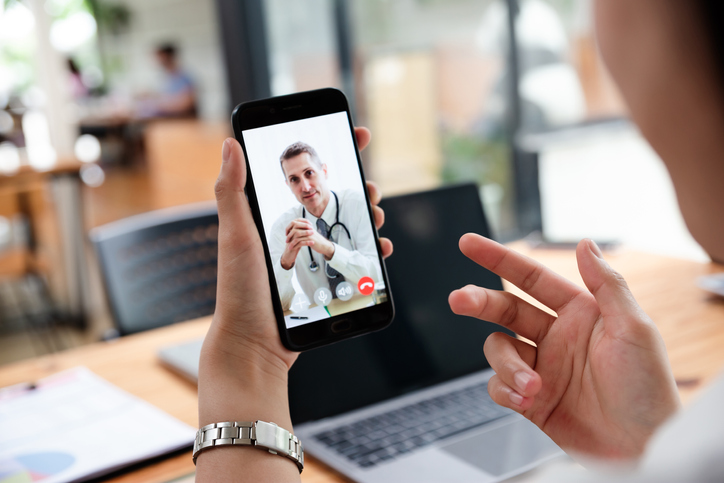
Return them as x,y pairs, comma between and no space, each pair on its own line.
522,379
594,248
226,151
516,398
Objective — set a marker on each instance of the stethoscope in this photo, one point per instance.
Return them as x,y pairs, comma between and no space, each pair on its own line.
314,266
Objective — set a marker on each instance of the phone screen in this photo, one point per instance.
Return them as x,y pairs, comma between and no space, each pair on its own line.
315,217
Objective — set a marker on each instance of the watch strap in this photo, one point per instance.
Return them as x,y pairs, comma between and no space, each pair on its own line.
262,434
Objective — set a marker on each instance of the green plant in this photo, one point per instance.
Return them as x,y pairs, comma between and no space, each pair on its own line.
472,158
111,17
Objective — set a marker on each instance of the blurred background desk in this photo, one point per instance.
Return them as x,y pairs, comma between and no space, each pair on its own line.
42,261
691,321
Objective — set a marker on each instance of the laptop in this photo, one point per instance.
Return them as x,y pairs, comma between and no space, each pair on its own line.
410,403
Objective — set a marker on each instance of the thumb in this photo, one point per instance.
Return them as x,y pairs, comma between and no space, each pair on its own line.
607,286
236,224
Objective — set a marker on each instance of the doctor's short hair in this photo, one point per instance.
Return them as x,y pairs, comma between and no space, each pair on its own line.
296,149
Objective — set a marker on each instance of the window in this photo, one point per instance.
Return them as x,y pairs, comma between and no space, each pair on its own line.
432,94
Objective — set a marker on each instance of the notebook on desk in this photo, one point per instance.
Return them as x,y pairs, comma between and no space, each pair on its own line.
410,403
75,426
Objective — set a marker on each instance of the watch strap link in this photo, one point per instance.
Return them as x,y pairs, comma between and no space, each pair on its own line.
262,434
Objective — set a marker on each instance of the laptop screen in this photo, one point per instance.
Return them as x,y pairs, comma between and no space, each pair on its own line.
426,343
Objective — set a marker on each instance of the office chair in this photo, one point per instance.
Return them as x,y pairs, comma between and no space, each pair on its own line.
159,267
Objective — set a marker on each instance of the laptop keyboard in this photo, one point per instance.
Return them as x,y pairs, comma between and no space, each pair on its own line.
383,437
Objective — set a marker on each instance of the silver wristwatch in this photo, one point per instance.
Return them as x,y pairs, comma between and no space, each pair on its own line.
264,435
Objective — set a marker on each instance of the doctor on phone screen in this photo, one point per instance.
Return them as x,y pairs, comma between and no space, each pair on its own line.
327,239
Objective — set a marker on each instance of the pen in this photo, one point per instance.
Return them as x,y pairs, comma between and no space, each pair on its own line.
15,390
297,317
21,386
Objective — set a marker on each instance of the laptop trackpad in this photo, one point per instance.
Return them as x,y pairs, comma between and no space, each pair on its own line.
508,448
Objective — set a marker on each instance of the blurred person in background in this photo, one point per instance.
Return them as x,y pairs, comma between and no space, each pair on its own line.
598,380
78,89
177,94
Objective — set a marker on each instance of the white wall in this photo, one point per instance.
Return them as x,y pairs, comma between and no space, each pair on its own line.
612,186
192,25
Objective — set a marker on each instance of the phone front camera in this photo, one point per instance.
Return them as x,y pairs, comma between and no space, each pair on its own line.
272,110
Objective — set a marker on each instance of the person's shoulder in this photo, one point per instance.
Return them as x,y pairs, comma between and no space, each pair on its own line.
185,77
352,196
181,80
285,218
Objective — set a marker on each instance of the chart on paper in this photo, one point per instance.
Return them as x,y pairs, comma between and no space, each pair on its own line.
51,429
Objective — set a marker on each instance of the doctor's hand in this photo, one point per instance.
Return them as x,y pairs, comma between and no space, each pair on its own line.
598,379
301,233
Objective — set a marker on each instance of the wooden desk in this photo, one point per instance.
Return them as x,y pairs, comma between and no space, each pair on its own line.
337,306
357,302
691,321
183,159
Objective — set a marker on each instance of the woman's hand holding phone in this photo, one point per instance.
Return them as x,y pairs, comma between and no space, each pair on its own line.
243,367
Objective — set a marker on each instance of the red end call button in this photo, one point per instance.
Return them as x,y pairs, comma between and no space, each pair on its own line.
366,285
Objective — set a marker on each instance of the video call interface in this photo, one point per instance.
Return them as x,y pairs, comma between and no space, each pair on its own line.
315,217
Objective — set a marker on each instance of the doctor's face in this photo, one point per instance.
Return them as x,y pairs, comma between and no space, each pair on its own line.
308,182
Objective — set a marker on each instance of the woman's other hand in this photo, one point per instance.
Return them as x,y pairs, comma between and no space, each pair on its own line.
598,379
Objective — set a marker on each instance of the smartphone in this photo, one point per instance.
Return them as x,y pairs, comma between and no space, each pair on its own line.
307,193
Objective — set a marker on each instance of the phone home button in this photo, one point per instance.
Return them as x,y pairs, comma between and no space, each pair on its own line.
341,326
